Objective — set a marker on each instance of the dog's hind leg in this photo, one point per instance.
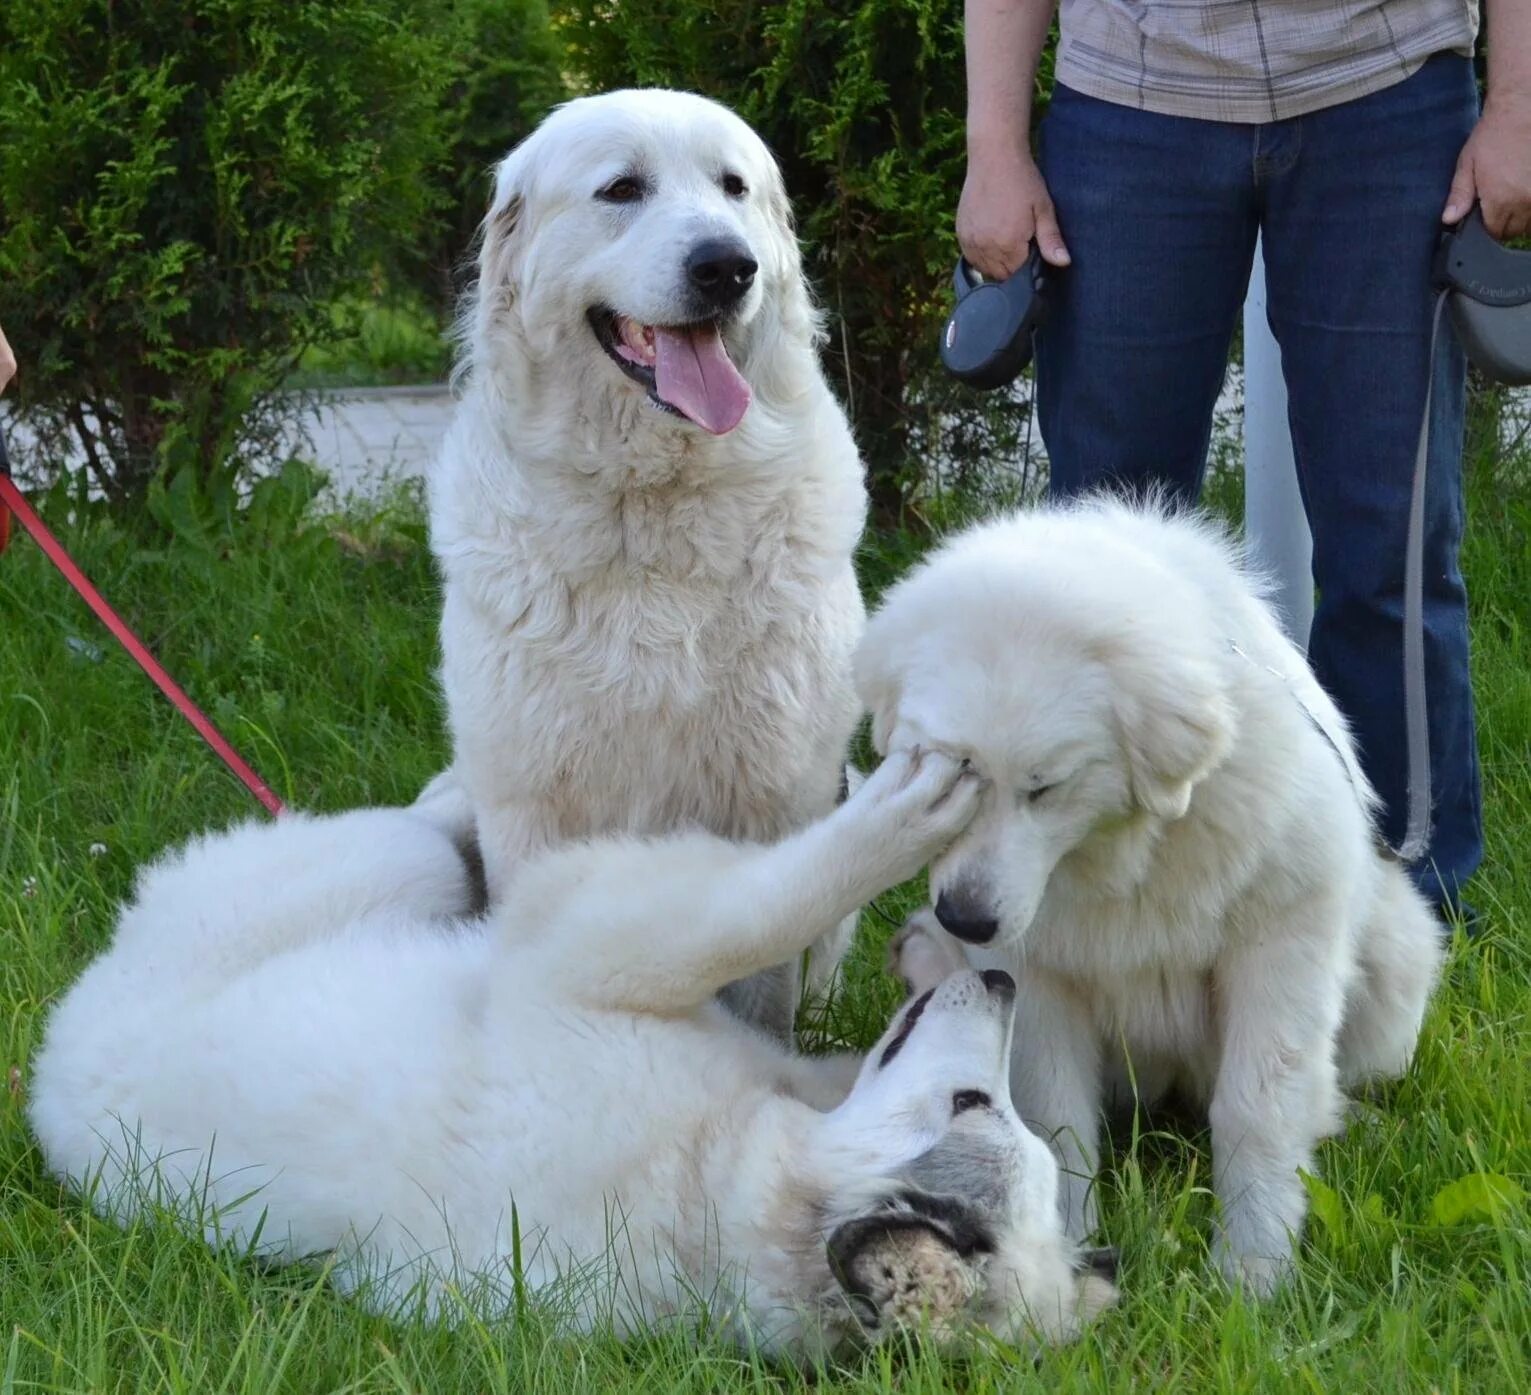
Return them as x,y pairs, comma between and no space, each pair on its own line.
227,901
662,926
767,1000
1056,1073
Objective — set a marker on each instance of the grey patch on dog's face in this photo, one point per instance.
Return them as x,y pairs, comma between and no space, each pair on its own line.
974,1162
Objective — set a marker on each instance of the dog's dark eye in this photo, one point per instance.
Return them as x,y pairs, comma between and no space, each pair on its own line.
734,186
626,189
1032,795
964,1100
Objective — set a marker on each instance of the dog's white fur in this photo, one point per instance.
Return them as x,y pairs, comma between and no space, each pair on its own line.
646,627
1175,854
293,1045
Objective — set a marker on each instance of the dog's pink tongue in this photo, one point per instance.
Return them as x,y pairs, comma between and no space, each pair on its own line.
694,374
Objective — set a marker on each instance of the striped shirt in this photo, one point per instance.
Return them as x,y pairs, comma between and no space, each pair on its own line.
1252,60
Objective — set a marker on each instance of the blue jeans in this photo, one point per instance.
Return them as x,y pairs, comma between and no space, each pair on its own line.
1160,214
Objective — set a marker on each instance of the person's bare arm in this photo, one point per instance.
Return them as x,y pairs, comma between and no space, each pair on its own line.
1004,199
1495,165
7,362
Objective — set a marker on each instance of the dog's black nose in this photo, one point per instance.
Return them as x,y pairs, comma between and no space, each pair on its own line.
998,981
721,271
961,915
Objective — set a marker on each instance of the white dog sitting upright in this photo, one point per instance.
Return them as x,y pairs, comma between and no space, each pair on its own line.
646,509
1176,851
291,1042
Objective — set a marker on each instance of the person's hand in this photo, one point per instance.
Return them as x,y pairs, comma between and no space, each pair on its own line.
1495,169
7,362
1004,204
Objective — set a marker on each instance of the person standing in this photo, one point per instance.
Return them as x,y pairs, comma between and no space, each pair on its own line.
1343,135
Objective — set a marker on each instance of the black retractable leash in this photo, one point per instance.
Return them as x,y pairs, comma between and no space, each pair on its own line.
987,338
1489,286
1488,289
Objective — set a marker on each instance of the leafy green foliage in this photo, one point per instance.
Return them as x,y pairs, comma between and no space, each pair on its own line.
184,191
1478,1196
391,337
862,102
508,75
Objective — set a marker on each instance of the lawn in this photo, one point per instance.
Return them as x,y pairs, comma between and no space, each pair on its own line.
315,653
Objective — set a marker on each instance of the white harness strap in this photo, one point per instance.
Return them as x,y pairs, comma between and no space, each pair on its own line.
1341,749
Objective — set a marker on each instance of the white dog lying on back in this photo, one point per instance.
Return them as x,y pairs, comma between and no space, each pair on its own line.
291,1041
1175,852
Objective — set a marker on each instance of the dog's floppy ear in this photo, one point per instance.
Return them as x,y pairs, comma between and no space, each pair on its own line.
911,1261
1177,724
798,317
502,231
779,207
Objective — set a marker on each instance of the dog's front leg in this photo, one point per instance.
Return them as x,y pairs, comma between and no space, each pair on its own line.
1055,1082
1276,1092
663,926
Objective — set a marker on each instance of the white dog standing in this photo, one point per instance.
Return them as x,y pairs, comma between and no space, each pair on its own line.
1176,853
291,1045
646,510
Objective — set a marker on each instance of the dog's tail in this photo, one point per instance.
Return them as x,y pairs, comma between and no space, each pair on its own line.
1400,955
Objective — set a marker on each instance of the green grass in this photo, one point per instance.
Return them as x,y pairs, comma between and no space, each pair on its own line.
316,655
384,340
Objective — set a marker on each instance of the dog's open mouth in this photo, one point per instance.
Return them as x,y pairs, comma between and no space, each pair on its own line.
685,368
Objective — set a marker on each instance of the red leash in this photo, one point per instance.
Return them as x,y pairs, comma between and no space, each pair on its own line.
13,501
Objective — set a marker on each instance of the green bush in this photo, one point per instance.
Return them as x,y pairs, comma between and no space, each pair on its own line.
508,76
185,191
863,103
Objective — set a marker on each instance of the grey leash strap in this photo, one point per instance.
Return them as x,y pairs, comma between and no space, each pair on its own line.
1416,837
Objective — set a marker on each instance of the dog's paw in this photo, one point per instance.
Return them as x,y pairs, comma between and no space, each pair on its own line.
913,805
922,954
1260,1276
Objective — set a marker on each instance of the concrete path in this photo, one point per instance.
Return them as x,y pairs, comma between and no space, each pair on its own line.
369,438
366,439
